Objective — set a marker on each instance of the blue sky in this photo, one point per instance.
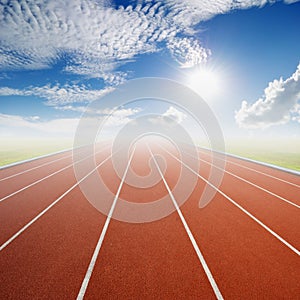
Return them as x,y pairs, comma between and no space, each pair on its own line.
242,57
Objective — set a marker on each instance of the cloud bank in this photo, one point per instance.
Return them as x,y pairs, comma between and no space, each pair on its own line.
20,125
94,38
65,127
278,105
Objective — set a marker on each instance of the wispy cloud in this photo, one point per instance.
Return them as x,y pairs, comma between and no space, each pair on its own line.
278,105
57,95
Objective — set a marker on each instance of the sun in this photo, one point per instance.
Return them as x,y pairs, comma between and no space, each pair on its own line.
205,81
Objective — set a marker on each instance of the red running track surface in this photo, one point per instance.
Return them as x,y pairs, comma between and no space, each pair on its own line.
49,259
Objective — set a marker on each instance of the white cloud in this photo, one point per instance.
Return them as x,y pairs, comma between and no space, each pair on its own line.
188,52
187,13
64,126
279,104
120,117
175,114
171,113
95,38
33,125
35,34
68,97
33,118
291,1
296,113
79,109
6,91
57,95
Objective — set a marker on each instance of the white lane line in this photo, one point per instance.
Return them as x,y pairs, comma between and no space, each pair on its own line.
5,244
42,179
36,167
250,182
260,172
277,236
34,183
192,239
91,266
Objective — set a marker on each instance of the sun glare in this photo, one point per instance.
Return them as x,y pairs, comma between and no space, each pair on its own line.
206,82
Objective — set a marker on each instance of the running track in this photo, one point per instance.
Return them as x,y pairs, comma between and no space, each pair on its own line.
55,245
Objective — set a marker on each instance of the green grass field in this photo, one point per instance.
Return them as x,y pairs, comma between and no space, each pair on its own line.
284,153
17,150
286,160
